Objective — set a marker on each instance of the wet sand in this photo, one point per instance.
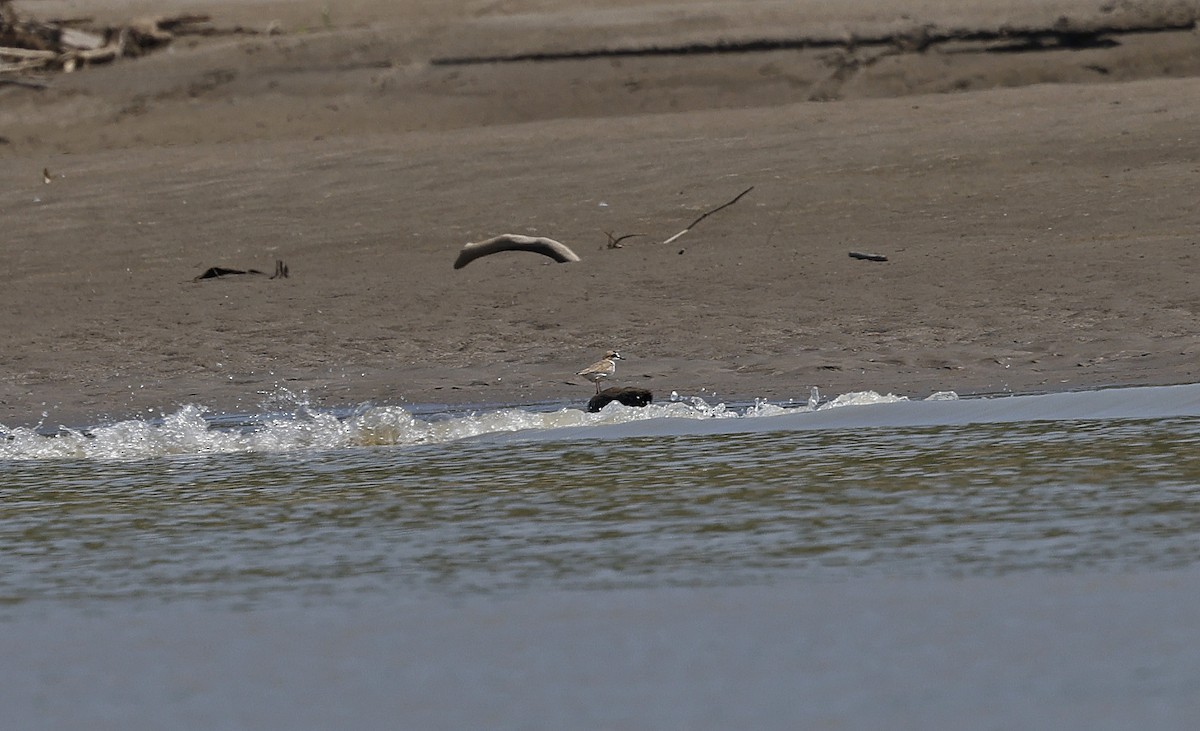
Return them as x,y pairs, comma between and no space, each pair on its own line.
1034,194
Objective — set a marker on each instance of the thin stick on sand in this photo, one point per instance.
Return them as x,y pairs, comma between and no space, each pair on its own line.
614,242
706,215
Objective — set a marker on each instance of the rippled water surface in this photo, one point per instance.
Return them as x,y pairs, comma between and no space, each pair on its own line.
864,562
247,528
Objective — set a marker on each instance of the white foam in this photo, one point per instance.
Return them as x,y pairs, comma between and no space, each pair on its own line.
189,432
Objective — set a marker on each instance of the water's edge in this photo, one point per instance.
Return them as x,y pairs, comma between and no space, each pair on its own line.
192,430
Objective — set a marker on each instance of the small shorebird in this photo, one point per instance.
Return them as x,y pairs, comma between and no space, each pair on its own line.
601,369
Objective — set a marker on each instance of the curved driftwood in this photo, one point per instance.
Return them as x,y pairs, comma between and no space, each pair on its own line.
515,242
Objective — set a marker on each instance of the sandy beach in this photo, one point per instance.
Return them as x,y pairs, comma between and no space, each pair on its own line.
1030,173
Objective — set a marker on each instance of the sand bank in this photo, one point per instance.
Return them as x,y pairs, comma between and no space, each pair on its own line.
1034,194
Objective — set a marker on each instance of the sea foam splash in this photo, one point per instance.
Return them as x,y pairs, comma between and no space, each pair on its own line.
189,431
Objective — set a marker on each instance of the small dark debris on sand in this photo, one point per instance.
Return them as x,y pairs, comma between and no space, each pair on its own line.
281,272
628,395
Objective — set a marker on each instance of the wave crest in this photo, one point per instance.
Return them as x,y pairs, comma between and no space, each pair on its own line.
189,431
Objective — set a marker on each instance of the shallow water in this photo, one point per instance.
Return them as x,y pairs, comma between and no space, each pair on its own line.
281,509
380,508
641,511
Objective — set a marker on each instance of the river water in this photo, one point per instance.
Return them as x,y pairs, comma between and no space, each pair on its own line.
857,562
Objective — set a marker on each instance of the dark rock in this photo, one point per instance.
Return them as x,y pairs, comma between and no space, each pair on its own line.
627,395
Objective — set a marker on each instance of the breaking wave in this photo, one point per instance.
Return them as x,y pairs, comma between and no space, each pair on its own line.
193,431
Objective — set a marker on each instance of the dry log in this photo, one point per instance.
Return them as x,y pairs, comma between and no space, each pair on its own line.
16,68
27,54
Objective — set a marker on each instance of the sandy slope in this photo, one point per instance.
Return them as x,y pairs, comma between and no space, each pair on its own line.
1040,236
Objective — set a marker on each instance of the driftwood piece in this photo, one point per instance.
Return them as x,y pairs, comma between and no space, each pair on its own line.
515,242
16,68
81,39
867,257
281,272
62,45
27,54
628,395
709,213
214,272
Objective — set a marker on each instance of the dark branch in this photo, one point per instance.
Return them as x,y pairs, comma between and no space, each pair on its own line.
709,213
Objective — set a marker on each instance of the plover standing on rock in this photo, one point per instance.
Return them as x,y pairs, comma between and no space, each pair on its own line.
601,369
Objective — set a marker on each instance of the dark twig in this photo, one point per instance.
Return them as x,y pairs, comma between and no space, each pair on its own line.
709,213
614,242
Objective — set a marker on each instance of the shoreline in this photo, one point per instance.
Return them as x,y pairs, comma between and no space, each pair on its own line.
286,403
